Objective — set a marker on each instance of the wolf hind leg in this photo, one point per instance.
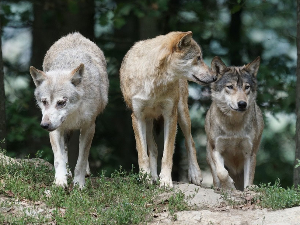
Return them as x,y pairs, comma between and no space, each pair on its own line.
194,172
152,149
85,141
238,180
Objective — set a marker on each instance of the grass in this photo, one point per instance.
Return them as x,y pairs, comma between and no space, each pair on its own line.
124,198
265,196
277,197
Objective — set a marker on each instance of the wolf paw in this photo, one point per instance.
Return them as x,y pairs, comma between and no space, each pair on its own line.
166,181
79,181
154,178
223,175
61,181
195,175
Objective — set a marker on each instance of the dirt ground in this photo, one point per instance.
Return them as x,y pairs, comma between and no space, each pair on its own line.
211,209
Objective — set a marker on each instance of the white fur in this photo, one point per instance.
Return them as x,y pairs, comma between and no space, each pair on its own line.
74,72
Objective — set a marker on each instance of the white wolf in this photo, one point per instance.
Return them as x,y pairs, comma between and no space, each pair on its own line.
71,91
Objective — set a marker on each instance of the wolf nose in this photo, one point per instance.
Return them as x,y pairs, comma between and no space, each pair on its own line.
45,125
242,105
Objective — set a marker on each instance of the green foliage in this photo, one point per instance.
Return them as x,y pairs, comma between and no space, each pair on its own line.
125,198
277,197
13,16
139,9
177,202
267,28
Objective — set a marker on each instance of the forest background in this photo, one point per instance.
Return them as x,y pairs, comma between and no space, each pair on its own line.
236,30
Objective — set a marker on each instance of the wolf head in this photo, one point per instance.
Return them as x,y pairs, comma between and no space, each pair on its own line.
186,59
57,94
235,89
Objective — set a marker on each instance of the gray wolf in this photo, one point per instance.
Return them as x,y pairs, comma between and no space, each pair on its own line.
234,125
71,91
153,77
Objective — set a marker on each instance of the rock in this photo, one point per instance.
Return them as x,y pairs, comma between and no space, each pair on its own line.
210,210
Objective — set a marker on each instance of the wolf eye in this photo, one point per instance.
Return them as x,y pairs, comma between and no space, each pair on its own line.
247,87
230,86
61,103
198,58
44,101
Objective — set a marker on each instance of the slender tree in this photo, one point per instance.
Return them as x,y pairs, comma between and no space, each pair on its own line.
2,100
297,153
235,35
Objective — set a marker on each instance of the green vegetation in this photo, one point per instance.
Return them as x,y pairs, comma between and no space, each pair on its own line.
277,197
124,198
264,196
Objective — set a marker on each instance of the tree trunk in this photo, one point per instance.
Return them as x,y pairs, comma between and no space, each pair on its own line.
2,99
234,37
296,179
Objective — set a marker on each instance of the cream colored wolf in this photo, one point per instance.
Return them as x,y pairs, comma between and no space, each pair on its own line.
234,125
71,91
154,76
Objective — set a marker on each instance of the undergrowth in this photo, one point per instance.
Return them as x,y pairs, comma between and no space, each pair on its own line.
264,196
277,197
124,198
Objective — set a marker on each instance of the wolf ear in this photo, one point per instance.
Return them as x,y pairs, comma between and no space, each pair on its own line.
77,75
38,76
185,40
217,65
252,67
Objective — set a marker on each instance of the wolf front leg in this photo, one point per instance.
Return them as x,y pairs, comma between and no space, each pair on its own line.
57,141
152,149
139,127
85,141
184,121
222,173
170,127
216,180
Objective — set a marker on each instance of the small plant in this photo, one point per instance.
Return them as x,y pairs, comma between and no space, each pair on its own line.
277,197
265,196
177,202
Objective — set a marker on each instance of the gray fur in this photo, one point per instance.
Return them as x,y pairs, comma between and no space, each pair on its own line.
234,125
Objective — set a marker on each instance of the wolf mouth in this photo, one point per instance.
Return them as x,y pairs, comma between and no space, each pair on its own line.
238,110
200,80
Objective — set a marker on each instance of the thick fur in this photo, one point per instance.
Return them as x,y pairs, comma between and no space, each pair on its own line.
71,91
154,76
234,125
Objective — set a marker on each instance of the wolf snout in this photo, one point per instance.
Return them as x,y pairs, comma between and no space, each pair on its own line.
242,105
45,125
